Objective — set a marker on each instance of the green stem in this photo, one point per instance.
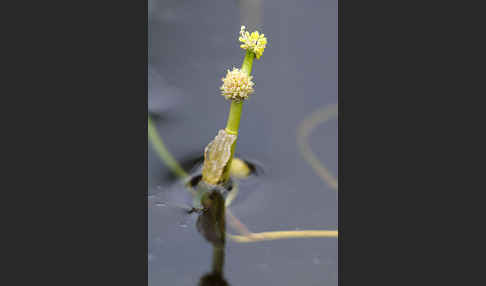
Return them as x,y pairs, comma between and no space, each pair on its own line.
162,151
247,63
234,116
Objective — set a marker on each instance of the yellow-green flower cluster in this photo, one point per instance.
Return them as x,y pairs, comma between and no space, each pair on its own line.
237,85
254,42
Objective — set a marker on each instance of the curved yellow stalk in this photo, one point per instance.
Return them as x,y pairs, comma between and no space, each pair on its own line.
272,235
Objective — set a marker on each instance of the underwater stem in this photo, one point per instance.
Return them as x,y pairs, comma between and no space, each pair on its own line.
162,151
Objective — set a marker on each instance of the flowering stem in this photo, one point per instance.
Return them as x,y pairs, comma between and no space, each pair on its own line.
236,106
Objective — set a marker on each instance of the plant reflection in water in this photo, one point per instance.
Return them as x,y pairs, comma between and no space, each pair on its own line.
211,225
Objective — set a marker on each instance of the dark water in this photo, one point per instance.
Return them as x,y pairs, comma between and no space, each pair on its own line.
191,44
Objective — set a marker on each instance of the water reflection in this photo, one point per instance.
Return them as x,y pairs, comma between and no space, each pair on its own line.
212,226
215,278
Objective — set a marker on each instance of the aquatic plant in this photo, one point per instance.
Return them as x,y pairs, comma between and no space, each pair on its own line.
237,87
219,163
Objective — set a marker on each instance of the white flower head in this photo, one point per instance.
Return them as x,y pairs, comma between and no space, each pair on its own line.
237,85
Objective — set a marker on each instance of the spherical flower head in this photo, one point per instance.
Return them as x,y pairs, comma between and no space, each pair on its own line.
237,85
254,42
